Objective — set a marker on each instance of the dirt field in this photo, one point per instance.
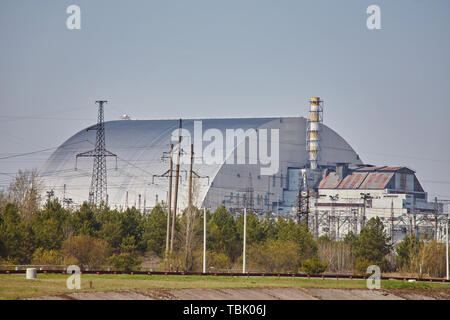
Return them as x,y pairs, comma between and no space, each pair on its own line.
249,294
53,286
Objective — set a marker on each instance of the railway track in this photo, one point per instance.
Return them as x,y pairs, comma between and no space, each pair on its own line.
223,274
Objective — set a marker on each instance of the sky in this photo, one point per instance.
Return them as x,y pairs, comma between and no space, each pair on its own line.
385,91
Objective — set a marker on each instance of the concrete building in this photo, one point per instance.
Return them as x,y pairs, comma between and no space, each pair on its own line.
347,198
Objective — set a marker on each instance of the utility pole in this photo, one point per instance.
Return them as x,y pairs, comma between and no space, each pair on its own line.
177,176
415,217
436,209
410,227
204,240
332,218
363,217
329,224
392,222
169,174
446,247
169,201
189,214
338,225
50,194
190,178
64,193
355,221
415,223
316,222
126,200
365,197
66,201
244,270
139,203
249,192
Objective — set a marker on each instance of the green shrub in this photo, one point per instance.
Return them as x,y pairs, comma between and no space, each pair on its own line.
47,257
218,261
125,262
362,264
89,251
314,266
274,256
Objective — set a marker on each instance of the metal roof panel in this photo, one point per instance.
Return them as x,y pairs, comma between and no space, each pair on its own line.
353,181
330,182
376,180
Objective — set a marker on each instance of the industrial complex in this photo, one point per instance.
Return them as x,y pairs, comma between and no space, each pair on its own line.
282,166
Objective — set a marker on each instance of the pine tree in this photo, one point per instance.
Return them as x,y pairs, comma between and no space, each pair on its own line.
372,246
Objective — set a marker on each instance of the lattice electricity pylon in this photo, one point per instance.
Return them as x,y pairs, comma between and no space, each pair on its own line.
303,199
303,206
99,187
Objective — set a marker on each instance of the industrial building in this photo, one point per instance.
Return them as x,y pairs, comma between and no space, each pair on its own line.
347,198
290,166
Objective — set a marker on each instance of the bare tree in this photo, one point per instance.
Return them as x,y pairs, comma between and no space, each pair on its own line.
187,236
3,199
25,191
337,254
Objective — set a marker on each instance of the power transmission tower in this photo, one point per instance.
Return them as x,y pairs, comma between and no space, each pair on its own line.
303,199
99,188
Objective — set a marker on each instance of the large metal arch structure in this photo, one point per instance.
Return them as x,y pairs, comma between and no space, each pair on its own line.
140,144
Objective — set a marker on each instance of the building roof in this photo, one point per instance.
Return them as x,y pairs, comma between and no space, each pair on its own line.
353,181
385,168
376,180
363,178
331,181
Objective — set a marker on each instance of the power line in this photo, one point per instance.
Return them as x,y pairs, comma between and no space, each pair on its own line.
27,153
33,152
39,118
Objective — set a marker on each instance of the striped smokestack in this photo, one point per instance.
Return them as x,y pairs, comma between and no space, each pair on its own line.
313,134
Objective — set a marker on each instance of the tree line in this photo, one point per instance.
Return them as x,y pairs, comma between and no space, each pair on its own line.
98,236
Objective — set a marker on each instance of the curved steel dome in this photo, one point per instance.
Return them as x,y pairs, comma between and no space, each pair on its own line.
140,144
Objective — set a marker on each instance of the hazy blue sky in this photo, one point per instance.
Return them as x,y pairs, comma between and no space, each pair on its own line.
385,91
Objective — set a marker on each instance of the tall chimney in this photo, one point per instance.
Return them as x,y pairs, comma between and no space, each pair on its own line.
313,130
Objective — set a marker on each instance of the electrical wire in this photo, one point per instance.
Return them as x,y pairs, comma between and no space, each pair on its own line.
34,152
